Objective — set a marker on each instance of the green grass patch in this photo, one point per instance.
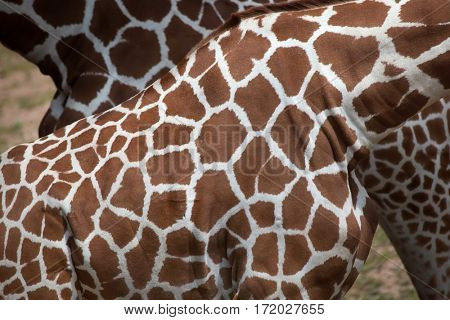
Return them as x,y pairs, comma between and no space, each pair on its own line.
31,101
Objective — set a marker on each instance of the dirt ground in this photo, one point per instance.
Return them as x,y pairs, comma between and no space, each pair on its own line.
25,95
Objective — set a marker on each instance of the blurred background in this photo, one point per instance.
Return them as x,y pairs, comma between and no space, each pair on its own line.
25,96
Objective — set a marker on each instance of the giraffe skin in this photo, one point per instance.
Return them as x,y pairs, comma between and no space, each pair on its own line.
100,53
408,176
423,243
220,179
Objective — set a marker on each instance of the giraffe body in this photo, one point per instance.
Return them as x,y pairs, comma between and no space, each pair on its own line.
195,188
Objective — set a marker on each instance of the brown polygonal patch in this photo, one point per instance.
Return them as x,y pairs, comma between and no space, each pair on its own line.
238,223
274,176
88,159
263,213
55,226
174,167
105,135
180,38
177,272
12,244
425,12
75,67
137,149
240,56
349,67
297,206
190,8
107,175
391,70
114,289
320,281
321,94
171,134
122,229
296,61
324,232
213,199
106,26
23,199
155,10
140,49
409,106
103,260
131,193
430,68
118,144
43,294
120,93
380,97
292,26
30,250
204,59
221,135
219,244
14,287
87,87
291,132
207,290
248,166
371,14
55,260
34,218
436,130
83,139
256,288
84,205
183,243
327,184
265,254
16,153
353,233
34,170
6,273
296,254
11,173
143,121
184,103
22,25
424,38
291,291
140,260
332,142
166,208
210,20
61,13
159,294
259,100
215,86
225,8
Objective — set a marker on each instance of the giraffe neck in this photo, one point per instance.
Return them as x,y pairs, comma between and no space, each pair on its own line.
37,29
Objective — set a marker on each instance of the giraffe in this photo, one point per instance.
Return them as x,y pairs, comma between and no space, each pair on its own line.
125,45
219,180
408,177
417,226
